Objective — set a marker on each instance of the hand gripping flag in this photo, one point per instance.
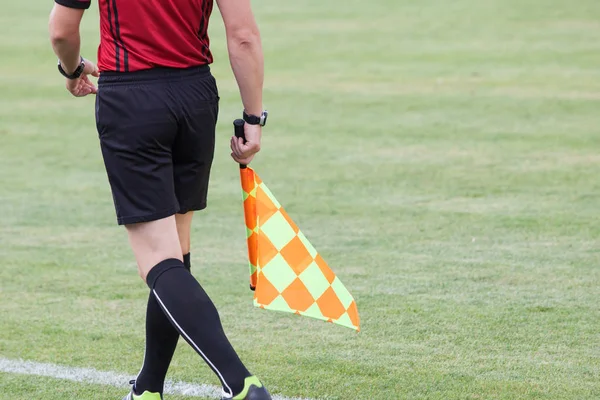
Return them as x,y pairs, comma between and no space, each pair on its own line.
286,272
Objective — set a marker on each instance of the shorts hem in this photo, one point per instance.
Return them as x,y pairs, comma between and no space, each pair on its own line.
200,207
146,218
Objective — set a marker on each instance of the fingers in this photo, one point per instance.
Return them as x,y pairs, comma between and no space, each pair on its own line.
89,84
91,68
237,146
80,88
243,161
81,91
83,86
236,149
85,90
243,153
244,150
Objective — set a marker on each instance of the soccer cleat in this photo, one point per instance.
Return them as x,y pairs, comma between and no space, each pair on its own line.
253,390
144,396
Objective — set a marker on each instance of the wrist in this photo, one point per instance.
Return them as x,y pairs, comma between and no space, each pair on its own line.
68,67
256,119
69,71
253,111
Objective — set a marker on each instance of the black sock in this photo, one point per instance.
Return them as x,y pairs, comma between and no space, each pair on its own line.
194,315
161,341
187,262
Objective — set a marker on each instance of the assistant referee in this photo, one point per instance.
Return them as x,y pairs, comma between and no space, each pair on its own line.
156,111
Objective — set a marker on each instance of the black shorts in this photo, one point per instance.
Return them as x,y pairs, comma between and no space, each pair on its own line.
157,134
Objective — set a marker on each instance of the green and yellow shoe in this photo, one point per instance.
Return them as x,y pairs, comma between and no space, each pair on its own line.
253,390
144,396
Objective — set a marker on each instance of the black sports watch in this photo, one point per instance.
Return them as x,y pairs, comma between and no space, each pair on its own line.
76,74
254,120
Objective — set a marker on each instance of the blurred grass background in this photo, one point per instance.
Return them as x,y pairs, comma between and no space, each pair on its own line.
442,156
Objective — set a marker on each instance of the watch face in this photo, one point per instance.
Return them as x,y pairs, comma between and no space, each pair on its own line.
263,118
254,120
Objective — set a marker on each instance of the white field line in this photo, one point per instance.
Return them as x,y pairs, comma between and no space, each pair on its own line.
108,378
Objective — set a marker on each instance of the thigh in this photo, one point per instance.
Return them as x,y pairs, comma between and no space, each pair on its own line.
136,131
194,147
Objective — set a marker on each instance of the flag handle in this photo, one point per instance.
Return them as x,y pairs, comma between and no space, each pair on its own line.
238,129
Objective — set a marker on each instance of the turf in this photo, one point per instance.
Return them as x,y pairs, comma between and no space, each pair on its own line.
23,387
442,156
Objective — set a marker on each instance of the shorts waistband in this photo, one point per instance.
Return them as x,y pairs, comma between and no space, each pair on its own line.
153,74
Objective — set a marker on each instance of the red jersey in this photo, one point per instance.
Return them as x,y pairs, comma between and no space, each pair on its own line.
143,34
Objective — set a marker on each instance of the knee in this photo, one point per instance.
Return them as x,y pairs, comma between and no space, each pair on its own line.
153,242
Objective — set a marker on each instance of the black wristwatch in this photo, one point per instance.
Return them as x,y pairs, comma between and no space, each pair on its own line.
254,120
76,74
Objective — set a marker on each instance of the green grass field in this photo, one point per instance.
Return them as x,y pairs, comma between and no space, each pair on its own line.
443,156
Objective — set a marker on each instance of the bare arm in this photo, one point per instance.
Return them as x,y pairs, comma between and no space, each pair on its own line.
245,51
247,63
64,36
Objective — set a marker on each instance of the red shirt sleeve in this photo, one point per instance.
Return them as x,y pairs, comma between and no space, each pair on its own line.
81,4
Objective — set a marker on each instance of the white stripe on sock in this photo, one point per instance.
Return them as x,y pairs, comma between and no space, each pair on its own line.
194,345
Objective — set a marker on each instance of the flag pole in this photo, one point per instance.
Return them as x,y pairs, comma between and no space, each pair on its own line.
238,128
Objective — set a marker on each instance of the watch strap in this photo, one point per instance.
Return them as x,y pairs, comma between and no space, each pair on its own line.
256,120
78,71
